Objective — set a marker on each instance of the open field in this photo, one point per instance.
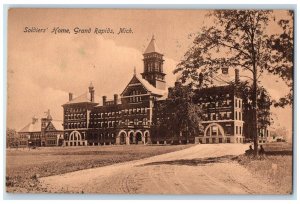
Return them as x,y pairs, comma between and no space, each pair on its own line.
276,167
24,166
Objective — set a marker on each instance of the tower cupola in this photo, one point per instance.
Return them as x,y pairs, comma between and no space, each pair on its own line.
153,65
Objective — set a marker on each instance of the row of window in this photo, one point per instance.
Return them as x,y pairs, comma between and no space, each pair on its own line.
135,99
75,116
75,125
153,55
119,113
23,142
107,124
51,142
75,110
134,92
218,116
214,97
127,122
216,104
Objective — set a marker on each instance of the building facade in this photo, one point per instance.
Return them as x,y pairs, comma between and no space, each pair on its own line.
222,108
127,118
45,132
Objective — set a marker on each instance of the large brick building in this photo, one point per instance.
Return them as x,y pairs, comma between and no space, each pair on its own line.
222,107
127,118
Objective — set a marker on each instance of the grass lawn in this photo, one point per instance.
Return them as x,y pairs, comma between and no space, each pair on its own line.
275,168
24,166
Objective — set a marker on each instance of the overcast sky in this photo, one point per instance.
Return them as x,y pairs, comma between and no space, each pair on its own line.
44,67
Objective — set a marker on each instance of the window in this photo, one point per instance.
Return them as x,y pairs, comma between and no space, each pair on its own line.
145,120
236,116
240,116
136,121
236,130
240,130
239,103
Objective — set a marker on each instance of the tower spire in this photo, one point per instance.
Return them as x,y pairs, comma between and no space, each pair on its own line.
152,47
134,71
153,66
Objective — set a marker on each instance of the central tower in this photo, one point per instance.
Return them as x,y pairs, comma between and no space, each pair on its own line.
153,66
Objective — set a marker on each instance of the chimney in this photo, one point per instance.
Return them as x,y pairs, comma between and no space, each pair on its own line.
104,100
237,76
70,96
92,92
170,89
115,99
34,119
224,70
200,79
177,84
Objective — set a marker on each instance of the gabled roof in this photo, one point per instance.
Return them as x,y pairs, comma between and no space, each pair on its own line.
152,47
151,89
57,124
34,126
83,98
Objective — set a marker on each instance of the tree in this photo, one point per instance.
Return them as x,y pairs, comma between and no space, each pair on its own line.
264,104
238,39
178,116
283,44
12,139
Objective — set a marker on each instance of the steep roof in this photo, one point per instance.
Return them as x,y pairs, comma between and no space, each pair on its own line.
149,86
34,126
152,47
83,98
57,124
146,85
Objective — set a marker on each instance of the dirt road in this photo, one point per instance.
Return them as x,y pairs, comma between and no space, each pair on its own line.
201,169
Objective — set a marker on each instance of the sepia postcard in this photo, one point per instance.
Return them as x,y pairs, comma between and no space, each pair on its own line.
150,101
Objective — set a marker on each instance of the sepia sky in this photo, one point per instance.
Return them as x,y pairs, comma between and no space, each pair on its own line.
44,67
